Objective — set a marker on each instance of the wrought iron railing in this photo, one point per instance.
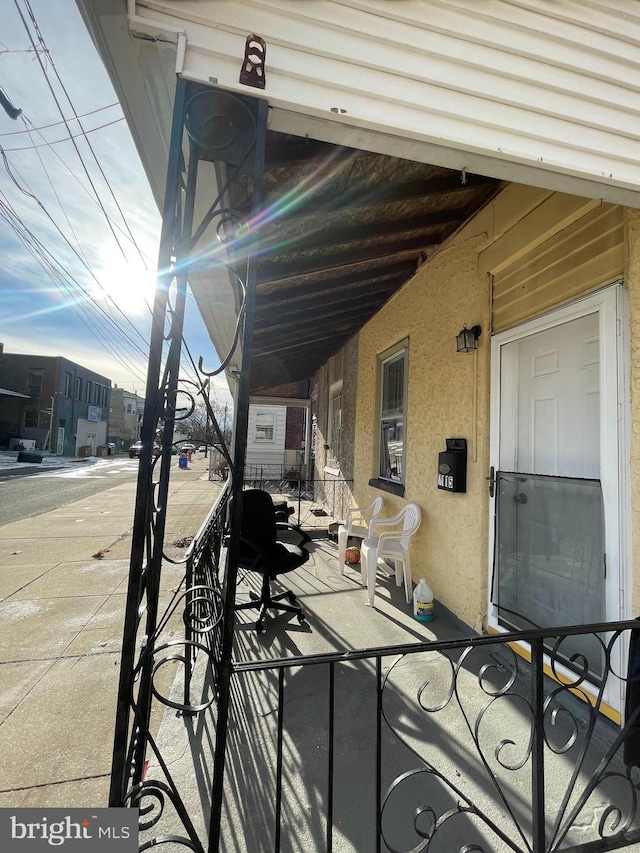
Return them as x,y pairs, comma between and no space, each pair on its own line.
197,601
456,745
331,496
446,745
203,596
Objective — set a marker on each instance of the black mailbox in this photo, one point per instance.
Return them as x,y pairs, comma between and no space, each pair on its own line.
452,466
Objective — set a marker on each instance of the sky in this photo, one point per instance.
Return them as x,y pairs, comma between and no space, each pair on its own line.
89,213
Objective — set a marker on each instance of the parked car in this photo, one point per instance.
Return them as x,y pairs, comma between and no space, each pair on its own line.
187,446
136,449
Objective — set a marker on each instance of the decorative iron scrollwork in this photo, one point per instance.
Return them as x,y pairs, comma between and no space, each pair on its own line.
549,730
219,127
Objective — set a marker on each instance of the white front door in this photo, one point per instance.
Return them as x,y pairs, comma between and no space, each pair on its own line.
549,413
556,442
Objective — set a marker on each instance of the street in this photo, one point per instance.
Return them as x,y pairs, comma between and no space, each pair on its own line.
28,495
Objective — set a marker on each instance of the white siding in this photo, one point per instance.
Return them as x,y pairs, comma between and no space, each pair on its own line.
544,93
267,453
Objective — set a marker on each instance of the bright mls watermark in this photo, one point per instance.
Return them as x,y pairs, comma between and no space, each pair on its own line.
69,830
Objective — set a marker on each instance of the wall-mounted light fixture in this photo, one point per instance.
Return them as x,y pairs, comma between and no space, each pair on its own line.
467,339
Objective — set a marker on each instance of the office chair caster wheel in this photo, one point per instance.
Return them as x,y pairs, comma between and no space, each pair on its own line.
291,598
260,629
301,618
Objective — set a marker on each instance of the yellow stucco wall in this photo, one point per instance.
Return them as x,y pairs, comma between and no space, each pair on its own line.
444,295
448,392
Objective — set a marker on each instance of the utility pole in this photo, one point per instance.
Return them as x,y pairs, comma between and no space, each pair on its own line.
49,442
206,432
51,426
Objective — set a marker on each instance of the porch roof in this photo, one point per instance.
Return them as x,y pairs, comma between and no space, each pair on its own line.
518,91
344,230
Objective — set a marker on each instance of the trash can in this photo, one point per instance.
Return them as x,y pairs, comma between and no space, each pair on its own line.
182,461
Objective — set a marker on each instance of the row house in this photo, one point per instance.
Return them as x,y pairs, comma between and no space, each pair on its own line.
420,220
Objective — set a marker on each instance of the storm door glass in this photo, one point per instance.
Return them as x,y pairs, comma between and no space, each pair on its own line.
550,563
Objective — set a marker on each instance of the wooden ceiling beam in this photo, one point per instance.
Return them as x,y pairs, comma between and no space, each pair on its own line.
401,269
296,305
307,345
294,370
331,322
278,243
358,195
341,261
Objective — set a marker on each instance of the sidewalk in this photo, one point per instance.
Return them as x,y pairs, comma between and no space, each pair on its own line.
63,582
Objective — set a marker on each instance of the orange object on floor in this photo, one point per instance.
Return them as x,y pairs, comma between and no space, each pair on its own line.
352,555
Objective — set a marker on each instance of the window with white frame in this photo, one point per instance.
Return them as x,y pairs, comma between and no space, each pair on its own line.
265,426
393,402
334,425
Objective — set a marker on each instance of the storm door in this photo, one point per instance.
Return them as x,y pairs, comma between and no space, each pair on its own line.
556,559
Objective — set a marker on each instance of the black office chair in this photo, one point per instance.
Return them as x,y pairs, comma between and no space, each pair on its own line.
260,551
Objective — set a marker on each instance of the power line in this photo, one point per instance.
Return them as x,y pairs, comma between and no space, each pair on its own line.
64,212
60,110
30,194
75,113
70,282
65,285
66,139
72,173
57,123
84,305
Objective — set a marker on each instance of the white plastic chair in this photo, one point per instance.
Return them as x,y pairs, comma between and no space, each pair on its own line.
357,524
391,545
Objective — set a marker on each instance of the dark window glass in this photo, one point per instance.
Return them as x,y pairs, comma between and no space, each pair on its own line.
392,433
34,381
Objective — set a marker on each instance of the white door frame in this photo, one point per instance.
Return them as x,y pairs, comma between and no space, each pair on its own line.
611,305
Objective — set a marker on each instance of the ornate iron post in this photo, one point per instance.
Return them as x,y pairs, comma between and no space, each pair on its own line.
146,547
240,444
226,131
